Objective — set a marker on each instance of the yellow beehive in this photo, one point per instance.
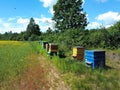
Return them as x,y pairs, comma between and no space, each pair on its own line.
78,52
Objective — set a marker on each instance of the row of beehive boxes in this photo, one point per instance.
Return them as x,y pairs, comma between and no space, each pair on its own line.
50,47
93,58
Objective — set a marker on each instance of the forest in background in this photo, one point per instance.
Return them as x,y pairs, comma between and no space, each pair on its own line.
108,38
70,29
99,38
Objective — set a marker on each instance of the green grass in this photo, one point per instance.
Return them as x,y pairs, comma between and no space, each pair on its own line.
12,61
80,77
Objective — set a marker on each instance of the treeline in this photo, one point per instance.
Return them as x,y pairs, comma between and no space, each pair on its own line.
70,29
97,38
18,36
32,33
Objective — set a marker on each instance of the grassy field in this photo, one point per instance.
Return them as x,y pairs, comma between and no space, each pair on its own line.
80,77
20,69
19,66
12,63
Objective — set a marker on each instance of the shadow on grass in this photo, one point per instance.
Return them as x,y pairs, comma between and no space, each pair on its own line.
108,67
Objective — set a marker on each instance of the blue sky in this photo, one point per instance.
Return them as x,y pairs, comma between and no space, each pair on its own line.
15,14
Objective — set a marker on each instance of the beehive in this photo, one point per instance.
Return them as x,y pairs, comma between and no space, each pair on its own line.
47,47
53,48
78,53
44,44
95,58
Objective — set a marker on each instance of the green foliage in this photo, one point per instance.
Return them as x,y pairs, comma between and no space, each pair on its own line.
80,77
49,31
32,30
69,14
69,65
97,38
32,33
33,37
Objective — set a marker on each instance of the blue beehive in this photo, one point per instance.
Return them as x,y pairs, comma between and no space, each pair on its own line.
95,58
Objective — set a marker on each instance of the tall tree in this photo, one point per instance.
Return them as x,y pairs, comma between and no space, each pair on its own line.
49,30
33,28
69,14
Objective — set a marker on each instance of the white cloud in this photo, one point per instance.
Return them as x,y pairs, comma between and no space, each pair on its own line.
23,21
19,24
9,25
0,21
11,19
44,23
13,24
93,25
83,1
46,20
51,11
106,19
49,4
102,1
6,25
109,17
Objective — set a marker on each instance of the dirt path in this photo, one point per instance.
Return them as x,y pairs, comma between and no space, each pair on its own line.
54,77
40,75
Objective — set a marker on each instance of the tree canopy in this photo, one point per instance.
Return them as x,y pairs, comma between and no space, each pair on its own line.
69,14
33,28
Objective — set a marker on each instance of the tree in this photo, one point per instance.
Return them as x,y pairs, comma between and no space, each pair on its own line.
69,14
49,30
33,37
32,28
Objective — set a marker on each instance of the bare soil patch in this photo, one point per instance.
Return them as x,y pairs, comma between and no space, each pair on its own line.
40,75
53,76
113,56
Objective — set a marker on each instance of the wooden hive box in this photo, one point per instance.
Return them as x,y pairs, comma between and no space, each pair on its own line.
78,52
53,47
47,47
44,44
